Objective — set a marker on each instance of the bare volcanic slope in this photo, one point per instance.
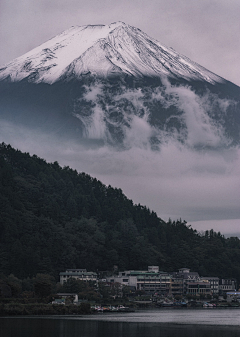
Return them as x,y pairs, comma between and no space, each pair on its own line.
95,83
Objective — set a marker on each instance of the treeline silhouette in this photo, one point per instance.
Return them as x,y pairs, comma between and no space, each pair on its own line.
53,218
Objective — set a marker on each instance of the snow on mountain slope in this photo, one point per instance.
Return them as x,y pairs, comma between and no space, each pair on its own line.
53,56
103,50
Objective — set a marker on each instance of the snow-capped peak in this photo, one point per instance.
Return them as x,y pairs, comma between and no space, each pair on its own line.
103,50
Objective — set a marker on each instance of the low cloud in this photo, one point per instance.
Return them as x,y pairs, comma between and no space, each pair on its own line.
177,180
129,112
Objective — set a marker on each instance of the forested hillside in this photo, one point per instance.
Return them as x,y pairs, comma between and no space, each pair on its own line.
53,218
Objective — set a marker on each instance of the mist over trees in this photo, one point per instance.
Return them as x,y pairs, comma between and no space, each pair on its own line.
53,218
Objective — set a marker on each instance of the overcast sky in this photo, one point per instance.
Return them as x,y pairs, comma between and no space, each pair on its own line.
206,31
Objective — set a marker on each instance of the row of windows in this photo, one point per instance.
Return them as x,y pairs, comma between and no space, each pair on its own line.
81,276
143,280
227,287
197,286
201,291
143,285
154,279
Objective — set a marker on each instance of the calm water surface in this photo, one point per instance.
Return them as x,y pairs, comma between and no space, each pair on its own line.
148,323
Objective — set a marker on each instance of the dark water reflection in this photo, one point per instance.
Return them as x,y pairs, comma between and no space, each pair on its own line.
68,327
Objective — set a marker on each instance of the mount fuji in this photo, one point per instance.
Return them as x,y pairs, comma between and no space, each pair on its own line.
113,84
104,51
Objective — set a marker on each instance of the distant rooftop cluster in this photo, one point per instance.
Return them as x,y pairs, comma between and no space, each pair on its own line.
154,281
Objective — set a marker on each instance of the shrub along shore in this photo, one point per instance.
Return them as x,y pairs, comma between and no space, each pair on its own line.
7,309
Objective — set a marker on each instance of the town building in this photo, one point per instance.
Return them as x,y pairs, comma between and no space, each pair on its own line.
150,281
185,282
153,281
176,286
77,274
63,296
214,284
227,285
197,287
233,296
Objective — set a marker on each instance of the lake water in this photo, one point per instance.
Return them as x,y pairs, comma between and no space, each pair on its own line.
144,323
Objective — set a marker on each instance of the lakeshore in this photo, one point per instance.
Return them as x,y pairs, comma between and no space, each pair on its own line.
85,308
153,322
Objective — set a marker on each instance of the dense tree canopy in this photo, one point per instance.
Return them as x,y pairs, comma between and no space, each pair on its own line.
54,218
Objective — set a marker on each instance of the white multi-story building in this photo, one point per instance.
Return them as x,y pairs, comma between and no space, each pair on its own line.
77,274
150,281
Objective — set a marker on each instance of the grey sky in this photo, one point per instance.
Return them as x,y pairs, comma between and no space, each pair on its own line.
179,183
206,31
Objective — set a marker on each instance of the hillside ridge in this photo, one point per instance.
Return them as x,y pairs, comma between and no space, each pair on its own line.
54,218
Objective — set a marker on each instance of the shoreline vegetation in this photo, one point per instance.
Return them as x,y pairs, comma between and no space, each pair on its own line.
19,309
85,308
